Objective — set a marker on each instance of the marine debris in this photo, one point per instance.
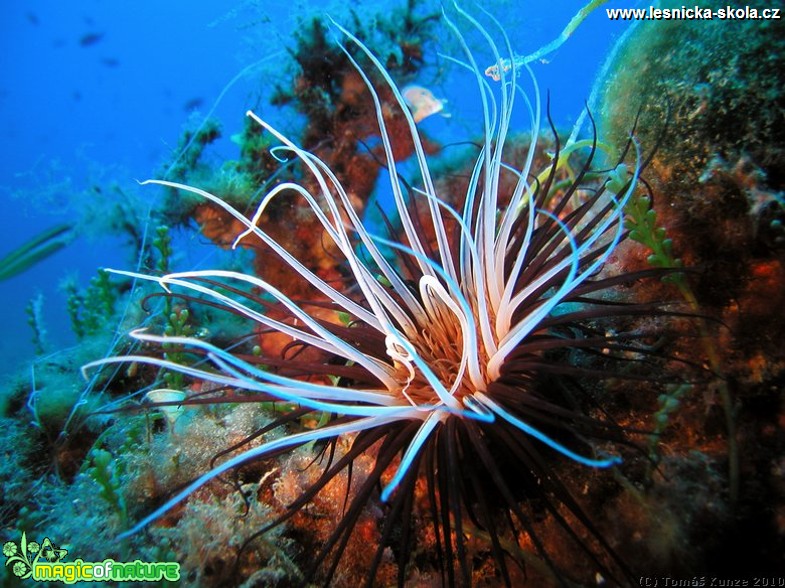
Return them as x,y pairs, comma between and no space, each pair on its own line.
35,250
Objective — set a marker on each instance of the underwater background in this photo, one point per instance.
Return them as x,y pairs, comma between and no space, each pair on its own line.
98,96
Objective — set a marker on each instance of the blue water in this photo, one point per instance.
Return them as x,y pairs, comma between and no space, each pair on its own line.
95,95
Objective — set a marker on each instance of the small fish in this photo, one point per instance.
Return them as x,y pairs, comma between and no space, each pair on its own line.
110,62
422,102
193,104
90,39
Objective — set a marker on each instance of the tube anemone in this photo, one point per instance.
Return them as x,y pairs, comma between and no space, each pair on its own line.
457,367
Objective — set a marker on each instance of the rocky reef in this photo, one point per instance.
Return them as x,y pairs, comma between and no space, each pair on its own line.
709,93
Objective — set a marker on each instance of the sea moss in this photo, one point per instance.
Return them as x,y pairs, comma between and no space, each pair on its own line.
718,85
